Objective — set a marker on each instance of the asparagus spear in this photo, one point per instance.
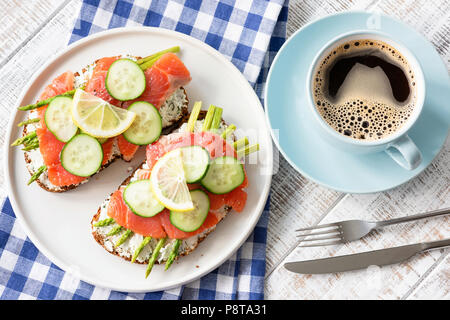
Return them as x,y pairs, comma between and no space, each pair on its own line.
148,64
34,120
247,150
104,222
34,139
208,118
150,60
240,143
158,54
173,254
115,230
194,115
124,237
24,139
155,253
216,119
31,141
46,101
36,174
139,249
228,131
31,146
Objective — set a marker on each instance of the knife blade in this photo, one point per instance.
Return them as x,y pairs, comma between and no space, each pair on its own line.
363,260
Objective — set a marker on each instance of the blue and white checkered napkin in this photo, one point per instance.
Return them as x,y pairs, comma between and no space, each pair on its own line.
249,33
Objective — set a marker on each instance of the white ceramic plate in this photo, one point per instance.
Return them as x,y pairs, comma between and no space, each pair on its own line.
59,224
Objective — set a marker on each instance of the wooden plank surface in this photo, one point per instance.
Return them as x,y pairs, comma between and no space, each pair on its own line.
296,201
427,192
21,20
435,285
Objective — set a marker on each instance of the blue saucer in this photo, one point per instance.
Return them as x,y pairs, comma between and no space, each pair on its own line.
290,122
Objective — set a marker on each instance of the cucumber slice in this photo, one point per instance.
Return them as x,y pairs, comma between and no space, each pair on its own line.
125,80
224,175
189,221
146,127
195,163
140,199
82,155
58,119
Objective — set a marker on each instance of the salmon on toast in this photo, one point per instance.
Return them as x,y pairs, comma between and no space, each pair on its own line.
191,179
108,84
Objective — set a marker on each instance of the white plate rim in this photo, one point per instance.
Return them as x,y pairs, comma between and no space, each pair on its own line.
111,32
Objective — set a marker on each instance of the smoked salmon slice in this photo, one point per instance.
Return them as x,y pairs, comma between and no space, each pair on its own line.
119,211
60,84
157,88
127,149
235,199
174,68
60,177
167,75
160,224
107,148
163,78
96,83
216,146
175,233
49,146
146,226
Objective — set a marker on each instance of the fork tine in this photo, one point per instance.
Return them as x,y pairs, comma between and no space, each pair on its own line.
323,238
326,243
332,231
335,224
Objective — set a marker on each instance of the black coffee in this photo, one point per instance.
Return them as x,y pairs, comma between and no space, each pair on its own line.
364,89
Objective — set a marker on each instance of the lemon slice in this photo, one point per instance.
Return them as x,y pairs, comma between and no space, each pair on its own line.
169,183
99,118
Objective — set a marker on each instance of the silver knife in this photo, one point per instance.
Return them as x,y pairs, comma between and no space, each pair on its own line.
363,260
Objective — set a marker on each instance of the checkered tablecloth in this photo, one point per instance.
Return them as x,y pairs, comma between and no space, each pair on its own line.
249,33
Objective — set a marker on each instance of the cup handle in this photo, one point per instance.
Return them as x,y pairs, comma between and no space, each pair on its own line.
405,153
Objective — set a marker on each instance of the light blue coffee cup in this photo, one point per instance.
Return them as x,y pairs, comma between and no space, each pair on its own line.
398,145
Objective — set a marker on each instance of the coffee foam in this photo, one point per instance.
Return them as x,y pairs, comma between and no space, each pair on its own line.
364,106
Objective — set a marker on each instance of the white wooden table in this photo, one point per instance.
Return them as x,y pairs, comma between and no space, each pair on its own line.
33,30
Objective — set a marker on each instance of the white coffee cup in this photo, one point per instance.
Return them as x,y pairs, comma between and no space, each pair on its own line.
398,145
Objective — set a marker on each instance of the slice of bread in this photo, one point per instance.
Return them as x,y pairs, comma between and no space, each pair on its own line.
127,249
173,111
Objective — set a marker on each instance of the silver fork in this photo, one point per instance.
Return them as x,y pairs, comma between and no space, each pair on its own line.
350,230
